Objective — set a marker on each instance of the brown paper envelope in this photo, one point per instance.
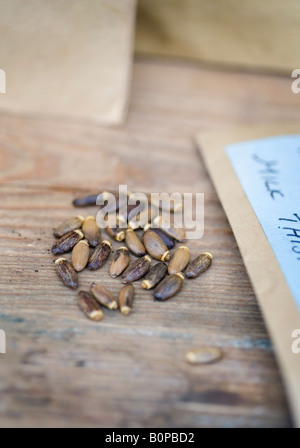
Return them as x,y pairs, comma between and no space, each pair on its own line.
67,57
273,293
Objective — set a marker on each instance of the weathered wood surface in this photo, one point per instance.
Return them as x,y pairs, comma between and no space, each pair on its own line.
63,370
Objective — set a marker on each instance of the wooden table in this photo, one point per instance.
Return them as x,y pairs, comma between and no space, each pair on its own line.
63,370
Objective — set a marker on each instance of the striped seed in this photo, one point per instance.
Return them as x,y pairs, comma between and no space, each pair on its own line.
169,287
67,273
199,265
103,296
99,256
67,242
80,255
137,270
206,355
91,231
176,233
155,275
134,243
68,226
119,262
169,241
89,305
179,261
117,233
155,246
126,297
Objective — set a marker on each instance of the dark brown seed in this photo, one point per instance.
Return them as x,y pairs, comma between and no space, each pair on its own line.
89,305
177,234
169,287
134,224
68,226
119,262
155,246
126,297
91,231
86,201
80,255
117,233
103,296
169,241
206,355
137,270
134,243
67,242
179,261
67,273
155,275
199,265
100,255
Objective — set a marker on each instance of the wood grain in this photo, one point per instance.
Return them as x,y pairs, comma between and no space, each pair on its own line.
63,370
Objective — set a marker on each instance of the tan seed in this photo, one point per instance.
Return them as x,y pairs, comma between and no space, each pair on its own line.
134,243
80,255
103,296
137,270
179,261
169,287
67,242
68,226
207,355
177,234
155,275
126,298
99,256
67,273
199,265
91,231
117,233
89,305
155,246
119,262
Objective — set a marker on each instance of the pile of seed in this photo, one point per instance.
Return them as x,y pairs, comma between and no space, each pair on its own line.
81,235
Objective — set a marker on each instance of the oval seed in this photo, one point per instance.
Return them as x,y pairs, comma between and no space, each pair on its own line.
137,270
126,297
80,255
67,242
68,226
169,287
155,275
89,305
155,246
103,296
169,241
67,273
179,261
100,255
86,201
134,243
199,265
117,233
119,262
91,231
177,234
205,355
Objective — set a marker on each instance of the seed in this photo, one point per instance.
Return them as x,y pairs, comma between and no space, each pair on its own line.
90,306
169,241
155,246
126,297
103,296
205,355
67,242
155,275
169,287
80,255
177,234
100,255
179,261
116,233
91,231
134,243
68,226
134,222
86,201
67,273
137,270
119,262
199,265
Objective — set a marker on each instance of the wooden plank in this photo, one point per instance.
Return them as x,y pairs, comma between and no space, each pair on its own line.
61,369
